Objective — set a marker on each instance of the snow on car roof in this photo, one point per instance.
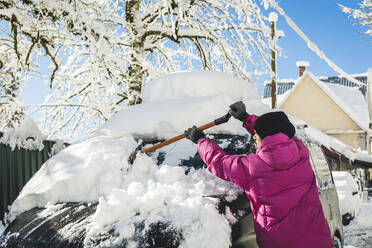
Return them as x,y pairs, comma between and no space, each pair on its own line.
197,84
177,101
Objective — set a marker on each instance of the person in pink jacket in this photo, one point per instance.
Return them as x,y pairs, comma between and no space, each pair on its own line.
278,180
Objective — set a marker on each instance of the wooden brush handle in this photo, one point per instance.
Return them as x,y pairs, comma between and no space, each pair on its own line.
174,139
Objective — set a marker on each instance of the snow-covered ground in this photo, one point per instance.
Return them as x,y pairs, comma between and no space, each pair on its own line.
358,234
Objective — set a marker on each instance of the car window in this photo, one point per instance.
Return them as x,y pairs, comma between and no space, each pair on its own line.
321,166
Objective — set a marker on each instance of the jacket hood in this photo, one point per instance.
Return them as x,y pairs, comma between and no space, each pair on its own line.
281,152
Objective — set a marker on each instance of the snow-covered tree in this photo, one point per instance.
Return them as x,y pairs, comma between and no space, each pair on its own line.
11,106
12,109
102,51
362,16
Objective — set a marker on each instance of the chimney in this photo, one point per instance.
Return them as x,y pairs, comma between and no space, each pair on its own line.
302,67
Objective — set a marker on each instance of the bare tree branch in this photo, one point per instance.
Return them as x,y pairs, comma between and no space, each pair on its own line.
105,118
201,54
34,42
44,43
124,96
15,34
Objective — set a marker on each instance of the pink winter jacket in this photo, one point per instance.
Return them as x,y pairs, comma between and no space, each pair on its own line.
281,186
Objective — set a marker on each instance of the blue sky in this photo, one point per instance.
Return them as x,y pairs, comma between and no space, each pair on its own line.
324,24
331,30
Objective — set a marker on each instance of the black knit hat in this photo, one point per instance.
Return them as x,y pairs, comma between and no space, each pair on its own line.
272,123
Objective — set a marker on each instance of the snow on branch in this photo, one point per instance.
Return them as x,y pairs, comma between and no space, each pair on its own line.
363,16
100,53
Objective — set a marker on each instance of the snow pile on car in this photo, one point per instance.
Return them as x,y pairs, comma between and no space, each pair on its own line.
177,101
97,169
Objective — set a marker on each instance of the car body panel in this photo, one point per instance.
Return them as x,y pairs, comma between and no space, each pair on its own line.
326,186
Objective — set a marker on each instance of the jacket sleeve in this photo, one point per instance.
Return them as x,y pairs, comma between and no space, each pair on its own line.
228,167
249,122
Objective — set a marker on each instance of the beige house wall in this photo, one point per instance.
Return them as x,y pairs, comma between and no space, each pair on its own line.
352,139
311,104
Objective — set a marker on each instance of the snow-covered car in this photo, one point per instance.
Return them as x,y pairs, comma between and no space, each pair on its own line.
88,195
349,194
358,181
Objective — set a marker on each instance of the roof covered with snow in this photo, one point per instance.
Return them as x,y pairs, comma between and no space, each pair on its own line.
351,101
349,98
284,85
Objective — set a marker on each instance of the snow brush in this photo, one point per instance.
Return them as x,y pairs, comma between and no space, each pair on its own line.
218,121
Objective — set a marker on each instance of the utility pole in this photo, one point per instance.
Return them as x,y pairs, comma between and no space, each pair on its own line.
369,104
273,17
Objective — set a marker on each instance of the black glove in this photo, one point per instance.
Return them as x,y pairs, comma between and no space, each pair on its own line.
194,134
238,111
